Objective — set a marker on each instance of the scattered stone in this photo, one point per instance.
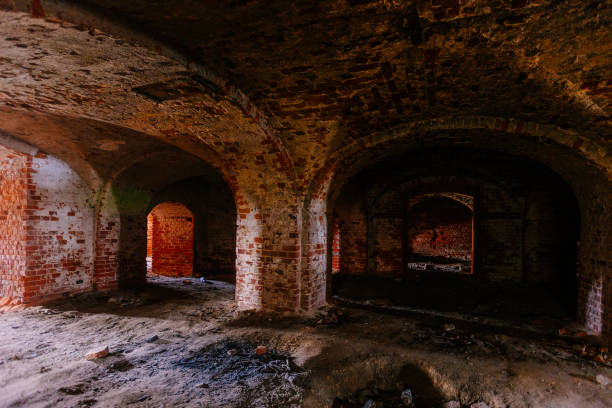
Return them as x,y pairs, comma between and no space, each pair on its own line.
370,404
152,339
406,397
602,380
233,352
97,353
31,356
479,405
448,326
452,404
328,316
95,32
53,20
261,350
143,398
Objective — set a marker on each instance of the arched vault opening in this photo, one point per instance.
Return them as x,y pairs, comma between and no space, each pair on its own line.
517,222
170,240
179,221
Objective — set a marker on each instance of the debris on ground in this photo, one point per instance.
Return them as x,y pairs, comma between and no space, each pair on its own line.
266,379
406,397
602,380
209,352
97,353
329,315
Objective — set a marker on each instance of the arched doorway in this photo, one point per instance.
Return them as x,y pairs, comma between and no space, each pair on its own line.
431,230
170,240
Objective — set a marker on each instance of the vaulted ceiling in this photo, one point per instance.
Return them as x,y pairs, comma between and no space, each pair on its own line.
327,73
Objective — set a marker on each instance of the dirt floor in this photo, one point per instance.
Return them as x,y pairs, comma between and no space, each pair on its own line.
181,343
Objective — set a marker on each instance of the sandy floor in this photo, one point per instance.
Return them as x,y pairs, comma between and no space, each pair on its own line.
178,344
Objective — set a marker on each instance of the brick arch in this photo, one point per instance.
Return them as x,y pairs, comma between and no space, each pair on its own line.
90,17
418,133
416,190
170,239
122,208
463,199
578,160
439,225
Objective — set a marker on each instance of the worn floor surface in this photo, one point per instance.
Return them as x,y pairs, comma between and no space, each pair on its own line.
178,344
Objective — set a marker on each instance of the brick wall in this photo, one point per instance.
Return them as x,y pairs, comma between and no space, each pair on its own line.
47,228
350,216
440,227
385,229
525,223
595,261
60,230
171,243
214,212
13,207
336,245
106,264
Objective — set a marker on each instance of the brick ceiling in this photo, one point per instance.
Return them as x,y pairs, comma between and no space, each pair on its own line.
328,72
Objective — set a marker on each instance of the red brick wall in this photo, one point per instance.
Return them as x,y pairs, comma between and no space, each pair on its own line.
350,216
60,230
595,263
440,227
519,234
212,204
336,240
47,228
106,264
13,207
171,239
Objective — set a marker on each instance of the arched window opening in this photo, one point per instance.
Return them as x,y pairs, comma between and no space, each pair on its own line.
170,240
439,233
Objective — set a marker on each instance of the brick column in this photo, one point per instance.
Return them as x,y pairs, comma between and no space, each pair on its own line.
267,256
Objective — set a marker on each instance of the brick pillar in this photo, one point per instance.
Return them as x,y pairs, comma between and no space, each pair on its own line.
314,252
336,249
267,256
